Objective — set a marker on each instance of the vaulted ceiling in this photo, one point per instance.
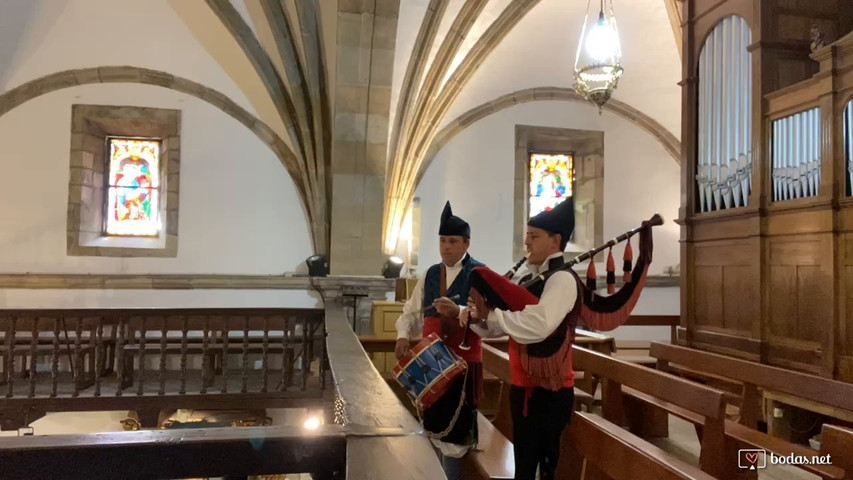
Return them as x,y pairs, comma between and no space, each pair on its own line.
451,57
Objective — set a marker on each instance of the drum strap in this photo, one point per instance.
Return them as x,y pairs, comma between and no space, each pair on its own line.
442,292
452,423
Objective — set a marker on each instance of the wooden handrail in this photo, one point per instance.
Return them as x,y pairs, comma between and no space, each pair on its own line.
366,401
114,312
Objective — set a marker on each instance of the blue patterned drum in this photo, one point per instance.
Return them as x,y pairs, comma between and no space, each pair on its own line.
428,370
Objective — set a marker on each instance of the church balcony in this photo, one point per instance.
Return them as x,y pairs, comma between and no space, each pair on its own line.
368,433
153,360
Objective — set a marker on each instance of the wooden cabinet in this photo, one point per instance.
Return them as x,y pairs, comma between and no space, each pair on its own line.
384,317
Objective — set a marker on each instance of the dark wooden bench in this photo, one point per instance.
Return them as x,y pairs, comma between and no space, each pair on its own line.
623,382
671,321
637,351
493,458
838,443
830,396
593,447
754,377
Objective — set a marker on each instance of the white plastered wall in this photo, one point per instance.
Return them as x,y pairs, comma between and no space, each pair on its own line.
475,172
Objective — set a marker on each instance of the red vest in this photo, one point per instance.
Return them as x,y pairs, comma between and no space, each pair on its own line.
520,377
455,336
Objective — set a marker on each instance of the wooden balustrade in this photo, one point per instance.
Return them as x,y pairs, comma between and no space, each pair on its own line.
66,360
373,433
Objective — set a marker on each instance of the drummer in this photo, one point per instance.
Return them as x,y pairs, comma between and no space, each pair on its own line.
441,294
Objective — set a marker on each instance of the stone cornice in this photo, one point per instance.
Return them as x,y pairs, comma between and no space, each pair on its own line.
58,281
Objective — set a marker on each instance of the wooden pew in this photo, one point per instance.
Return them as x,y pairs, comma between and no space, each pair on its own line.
838,443
611,452
671,321
833,395
628,380
594,448
493,459
830,397
637,351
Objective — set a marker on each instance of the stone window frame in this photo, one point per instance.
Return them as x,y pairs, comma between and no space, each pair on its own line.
587,149
91,125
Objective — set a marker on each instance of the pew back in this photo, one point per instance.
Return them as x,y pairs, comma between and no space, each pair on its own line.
835,394
595,447
705,401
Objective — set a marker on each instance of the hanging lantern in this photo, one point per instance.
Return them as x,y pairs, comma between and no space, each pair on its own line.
597,63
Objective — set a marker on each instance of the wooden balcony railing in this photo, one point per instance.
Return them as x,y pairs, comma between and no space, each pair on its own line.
373,435
67,360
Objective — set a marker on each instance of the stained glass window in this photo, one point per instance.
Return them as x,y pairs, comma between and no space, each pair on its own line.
133,187
551,180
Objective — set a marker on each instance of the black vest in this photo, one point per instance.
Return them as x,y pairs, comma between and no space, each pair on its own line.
552,344
432,282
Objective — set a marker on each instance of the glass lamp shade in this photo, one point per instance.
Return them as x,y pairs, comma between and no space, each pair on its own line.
599,55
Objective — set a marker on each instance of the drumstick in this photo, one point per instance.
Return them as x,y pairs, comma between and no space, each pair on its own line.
431,307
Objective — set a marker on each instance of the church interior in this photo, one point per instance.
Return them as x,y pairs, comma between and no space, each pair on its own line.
327,136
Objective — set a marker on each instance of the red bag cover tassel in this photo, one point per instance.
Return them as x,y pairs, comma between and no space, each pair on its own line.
627,259
590,275
611,273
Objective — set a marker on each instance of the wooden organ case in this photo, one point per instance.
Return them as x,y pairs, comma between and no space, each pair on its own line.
767,165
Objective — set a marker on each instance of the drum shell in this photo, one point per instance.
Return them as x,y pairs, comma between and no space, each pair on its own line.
428,370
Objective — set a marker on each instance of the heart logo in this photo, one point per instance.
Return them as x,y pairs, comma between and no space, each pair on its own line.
752,457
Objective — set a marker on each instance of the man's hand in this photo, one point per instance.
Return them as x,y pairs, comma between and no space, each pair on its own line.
465,317
477,306
401,348
446,307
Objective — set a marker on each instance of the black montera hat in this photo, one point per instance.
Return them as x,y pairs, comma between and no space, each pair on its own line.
453,225
560,219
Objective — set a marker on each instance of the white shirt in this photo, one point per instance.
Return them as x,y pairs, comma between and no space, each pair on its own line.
536,322
411,323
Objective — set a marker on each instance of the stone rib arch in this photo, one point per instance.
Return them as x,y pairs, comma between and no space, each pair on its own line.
128,74
638,118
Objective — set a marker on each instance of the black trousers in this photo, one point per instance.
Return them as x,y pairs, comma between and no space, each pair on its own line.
536,436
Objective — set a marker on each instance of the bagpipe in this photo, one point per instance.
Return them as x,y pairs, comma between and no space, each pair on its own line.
598,312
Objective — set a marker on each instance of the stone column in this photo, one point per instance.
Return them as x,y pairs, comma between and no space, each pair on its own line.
367,31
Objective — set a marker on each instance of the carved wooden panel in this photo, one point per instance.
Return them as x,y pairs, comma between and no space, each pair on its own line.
845,330
726,284
787,37
795,354
708,295
783,300
801,320
845,368
740,290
